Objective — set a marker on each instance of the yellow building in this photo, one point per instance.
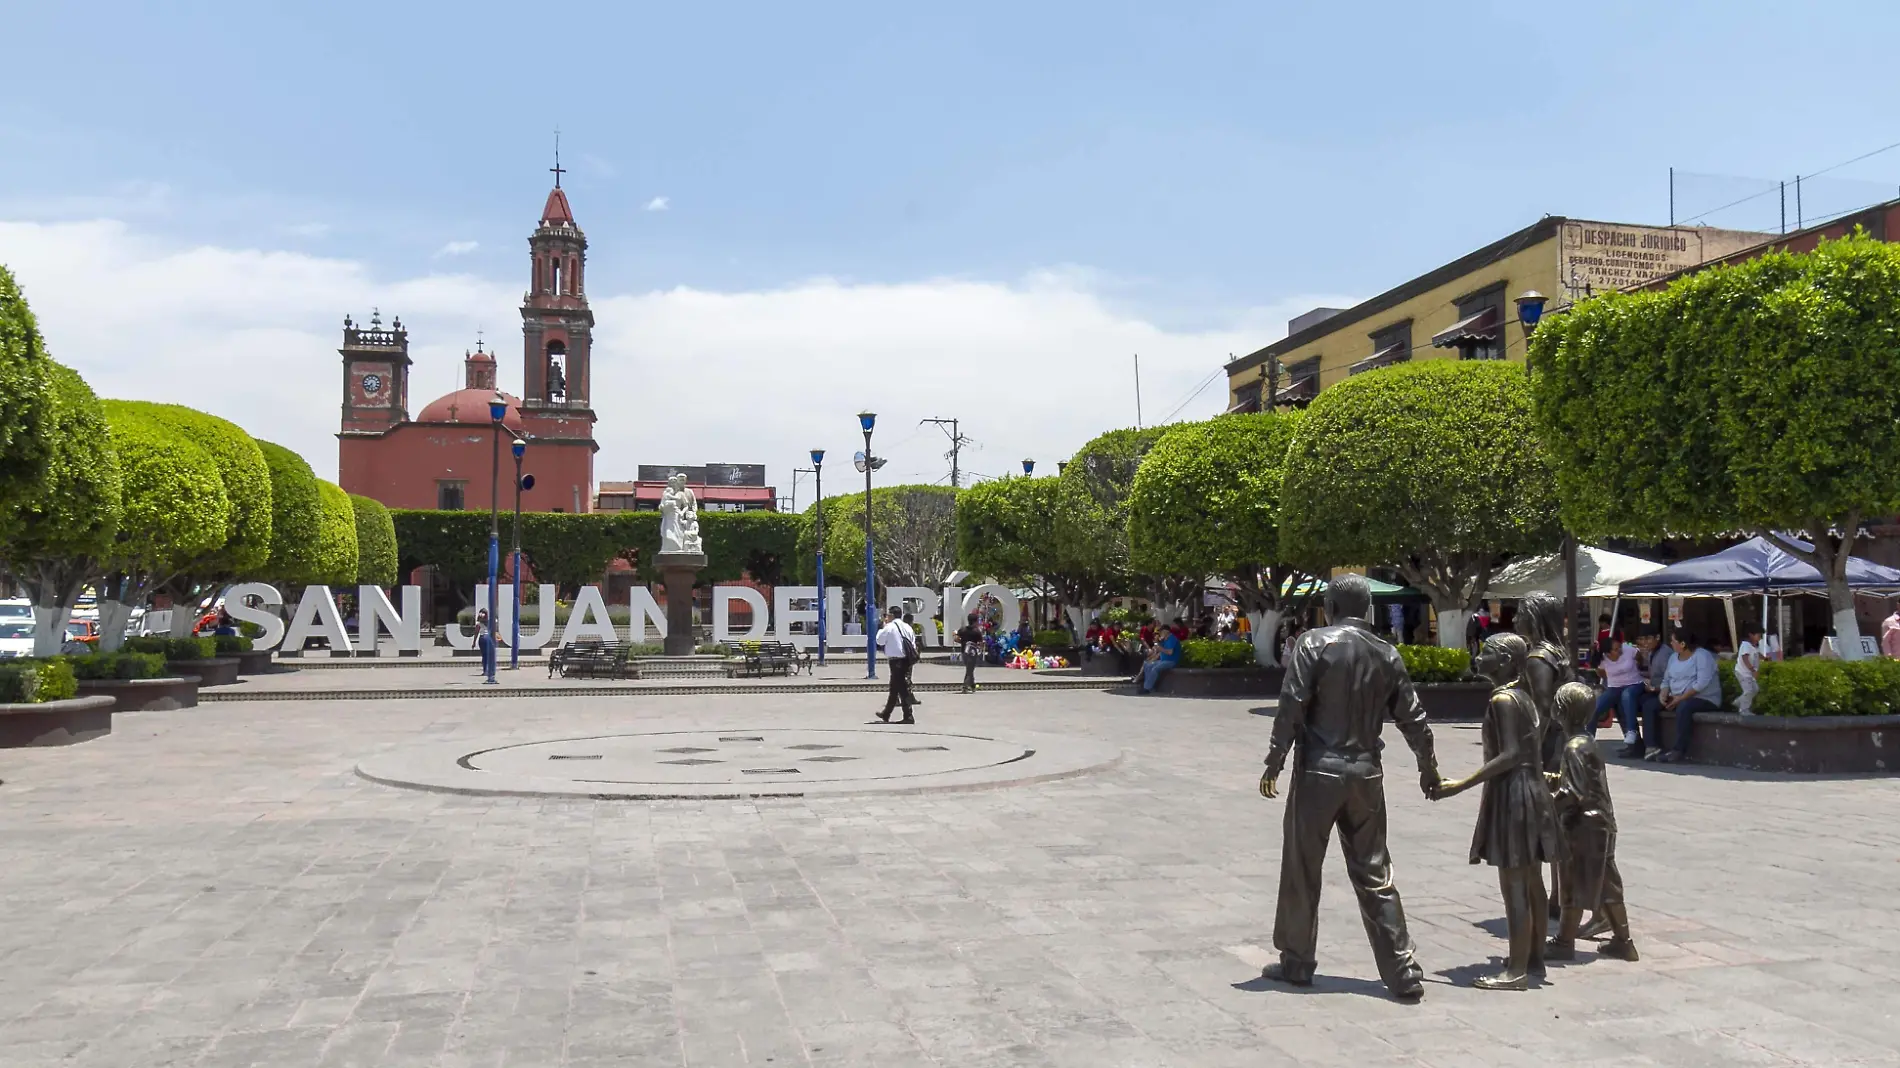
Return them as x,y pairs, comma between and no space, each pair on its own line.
1464,310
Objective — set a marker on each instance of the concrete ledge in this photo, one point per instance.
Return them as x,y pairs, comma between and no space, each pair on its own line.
145,695
1222,682
55,722
642,689
1452,701
215,671
1808,744
253,662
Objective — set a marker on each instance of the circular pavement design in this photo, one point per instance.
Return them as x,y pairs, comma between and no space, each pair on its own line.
740,762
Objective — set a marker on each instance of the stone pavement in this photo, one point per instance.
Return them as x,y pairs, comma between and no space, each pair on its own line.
467,675
215,887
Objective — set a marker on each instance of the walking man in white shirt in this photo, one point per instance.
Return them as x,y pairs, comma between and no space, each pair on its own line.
898,644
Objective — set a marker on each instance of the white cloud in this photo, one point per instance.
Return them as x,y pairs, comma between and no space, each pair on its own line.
458,248
1032,368
658,204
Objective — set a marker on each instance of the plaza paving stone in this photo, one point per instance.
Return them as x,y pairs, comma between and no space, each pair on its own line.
214,886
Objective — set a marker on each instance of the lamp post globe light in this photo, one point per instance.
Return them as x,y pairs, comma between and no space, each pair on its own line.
1029,468
818,473
868,421
522,482
1530,311
497,411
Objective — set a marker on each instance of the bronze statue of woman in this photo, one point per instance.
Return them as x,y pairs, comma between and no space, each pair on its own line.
1540,619
1517,829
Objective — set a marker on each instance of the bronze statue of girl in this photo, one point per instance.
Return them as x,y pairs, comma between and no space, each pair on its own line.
1517,828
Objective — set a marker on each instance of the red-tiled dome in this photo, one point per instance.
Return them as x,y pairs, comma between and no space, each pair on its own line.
470,406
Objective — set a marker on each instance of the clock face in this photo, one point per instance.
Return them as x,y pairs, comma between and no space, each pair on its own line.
372,384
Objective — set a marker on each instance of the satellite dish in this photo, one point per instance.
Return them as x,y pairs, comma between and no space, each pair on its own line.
527,482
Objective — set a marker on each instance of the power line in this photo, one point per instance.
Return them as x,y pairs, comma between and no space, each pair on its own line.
1773,189
957,441
1198,390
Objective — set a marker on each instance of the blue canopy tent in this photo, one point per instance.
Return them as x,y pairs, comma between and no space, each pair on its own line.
1756,566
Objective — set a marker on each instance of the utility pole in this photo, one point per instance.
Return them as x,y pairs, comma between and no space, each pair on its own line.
957,442
797,471
1137,391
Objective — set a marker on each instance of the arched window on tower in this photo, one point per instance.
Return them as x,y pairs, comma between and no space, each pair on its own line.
557,370
556,287
573,277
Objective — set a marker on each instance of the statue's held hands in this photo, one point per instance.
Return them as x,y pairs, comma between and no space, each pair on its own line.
1269,785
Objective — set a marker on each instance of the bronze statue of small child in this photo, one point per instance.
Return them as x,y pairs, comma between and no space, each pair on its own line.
1590,879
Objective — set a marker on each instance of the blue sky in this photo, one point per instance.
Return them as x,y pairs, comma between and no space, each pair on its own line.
1197,170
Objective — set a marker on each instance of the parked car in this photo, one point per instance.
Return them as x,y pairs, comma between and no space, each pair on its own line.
16,637
16,608
82,630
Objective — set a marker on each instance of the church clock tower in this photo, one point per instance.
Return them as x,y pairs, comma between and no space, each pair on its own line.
375,374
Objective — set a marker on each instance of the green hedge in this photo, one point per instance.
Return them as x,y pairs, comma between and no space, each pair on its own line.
32,682
1812,686
1432,664
174,649
1208,653
122,665
226,644
1052,639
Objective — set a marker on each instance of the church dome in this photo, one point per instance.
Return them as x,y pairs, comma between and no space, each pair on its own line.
470,406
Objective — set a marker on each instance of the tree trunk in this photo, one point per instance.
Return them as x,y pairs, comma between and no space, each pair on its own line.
112,620
1840,599
184,615
1078,621
1266,630
1451,627
49,628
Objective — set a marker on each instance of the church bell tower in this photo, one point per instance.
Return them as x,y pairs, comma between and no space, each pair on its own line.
556,325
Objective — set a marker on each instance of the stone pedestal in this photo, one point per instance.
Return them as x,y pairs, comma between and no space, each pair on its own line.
677,572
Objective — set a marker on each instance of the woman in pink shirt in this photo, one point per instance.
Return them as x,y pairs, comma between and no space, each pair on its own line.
1622,686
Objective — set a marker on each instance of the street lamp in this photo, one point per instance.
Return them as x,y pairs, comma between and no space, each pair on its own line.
868,420
1530,310
497,411
1029,468
522,482
818,473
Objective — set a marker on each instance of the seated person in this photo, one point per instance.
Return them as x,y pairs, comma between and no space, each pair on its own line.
1690,685
1166,654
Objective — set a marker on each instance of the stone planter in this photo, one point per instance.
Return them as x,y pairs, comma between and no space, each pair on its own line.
142,695
1812,744
216,671
253,661
1221,682
1454,700
55,722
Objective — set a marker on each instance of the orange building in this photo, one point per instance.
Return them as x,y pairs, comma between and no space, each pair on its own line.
442,459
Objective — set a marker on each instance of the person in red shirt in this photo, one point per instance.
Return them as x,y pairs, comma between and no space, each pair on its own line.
1147,633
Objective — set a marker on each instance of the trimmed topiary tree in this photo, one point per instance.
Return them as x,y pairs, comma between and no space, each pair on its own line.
25,402
337,557
1011,529
296,519
1759,397
1092,524
174,510
1431,467
375,542
1206,501
69,518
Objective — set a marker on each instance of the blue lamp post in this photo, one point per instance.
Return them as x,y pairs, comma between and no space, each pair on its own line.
868,420
1530,311
1029,468
497,411
522,482
818,472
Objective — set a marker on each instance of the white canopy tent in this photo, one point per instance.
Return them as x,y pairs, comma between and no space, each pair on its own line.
1599,573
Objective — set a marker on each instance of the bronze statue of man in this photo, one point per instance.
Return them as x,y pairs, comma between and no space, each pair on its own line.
1342,683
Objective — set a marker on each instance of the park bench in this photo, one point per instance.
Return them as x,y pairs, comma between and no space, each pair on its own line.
758,658
592,660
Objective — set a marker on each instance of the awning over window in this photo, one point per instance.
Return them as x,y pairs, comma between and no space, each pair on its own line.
1480,327
1300,390
1385,357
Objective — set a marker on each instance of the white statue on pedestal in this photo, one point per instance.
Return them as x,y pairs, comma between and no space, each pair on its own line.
679,518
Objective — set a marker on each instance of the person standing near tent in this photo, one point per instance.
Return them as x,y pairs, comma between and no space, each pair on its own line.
1890,634
1748,663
